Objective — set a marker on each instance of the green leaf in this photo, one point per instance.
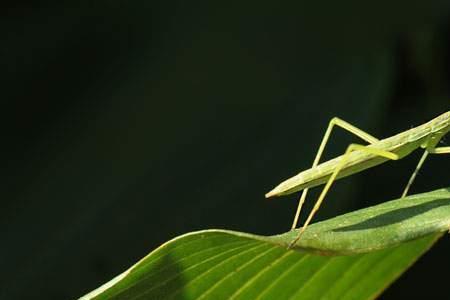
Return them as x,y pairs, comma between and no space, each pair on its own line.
381,242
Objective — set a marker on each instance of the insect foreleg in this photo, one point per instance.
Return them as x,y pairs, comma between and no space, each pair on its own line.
440,150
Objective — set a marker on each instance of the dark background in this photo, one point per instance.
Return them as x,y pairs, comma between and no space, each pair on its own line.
129,123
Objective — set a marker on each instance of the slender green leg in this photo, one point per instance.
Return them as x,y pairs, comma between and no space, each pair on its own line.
351,147
347,126
440,150
416,171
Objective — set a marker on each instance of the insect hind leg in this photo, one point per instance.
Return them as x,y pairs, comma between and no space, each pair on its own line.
343,161
344,125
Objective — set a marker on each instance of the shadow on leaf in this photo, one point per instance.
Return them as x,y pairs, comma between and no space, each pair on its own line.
395,216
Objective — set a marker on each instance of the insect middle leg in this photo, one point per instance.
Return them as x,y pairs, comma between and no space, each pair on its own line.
344,159
428,150
345,125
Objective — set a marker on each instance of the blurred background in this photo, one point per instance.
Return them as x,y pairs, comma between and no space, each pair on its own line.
126,124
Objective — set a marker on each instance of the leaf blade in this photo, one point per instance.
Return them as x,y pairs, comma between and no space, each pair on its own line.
221,264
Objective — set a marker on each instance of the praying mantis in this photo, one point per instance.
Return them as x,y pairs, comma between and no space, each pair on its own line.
359,157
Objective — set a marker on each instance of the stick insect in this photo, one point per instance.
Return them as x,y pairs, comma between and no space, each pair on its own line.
360,157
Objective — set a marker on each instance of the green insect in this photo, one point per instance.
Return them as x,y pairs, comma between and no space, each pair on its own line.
360,157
